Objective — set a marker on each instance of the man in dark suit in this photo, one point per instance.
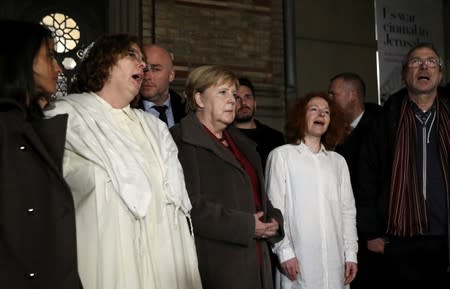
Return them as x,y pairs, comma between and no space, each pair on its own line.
155,95
348,91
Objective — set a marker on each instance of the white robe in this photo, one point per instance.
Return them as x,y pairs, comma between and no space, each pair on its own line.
126,241
313,191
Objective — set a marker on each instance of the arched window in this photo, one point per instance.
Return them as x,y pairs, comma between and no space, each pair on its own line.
66,33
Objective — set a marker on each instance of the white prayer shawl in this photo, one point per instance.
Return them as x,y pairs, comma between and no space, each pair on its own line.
93,135
125,239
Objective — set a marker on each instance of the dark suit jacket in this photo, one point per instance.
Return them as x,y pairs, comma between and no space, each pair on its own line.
37,218
177,103
223,208
350,148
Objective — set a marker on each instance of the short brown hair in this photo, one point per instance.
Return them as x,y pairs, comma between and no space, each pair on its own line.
203,77
296,122
99,59
355,81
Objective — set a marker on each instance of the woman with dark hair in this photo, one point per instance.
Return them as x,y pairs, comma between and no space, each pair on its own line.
37,219
128,185
311,186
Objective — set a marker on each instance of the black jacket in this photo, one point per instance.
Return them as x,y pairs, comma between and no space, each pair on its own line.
351,146
266,139
37,219
377,155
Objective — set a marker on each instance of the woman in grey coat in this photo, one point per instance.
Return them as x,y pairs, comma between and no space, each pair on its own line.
233,220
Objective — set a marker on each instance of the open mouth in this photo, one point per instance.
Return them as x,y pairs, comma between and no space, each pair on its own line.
423,77
318,122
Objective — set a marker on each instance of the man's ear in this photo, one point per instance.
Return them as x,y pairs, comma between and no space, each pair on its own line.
441,78
353,94
403,76
171,75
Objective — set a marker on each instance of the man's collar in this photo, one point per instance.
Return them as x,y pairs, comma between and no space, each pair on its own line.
149,104
417,109
357,120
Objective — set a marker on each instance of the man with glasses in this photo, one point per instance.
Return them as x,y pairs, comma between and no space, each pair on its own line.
155,95
405,178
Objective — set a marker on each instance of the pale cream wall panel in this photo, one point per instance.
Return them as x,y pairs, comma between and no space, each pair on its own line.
350,21
318,61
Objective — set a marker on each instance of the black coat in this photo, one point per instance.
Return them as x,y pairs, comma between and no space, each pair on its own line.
351,146
266,139
377,155
37,219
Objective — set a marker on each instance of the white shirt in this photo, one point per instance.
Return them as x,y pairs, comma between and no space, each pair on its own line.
314,193
148,107
356,120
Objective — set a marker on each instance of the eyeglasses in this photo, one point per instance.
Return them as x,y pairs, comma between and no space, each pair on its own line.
429,62
133,53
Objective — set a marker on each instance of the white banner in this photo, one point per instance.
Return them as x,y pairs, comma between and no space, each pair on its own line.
401,24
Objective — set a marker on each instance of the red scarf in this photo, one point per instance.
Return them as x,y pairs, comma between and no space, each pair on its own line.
252,175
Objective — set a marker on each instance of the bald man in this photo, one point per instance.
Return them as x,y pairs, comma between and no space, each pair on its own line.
348,90
155,95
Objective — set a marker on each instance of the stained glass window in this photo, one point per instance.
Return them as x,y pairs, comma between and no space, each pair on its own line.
65,31
66,34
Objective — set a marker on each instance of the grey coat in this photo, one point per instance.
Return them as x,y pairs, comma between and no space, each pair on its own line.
223,208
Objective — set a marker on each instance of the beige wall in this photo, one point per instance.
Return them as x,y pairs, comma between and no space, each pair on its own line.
336,36
333,37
